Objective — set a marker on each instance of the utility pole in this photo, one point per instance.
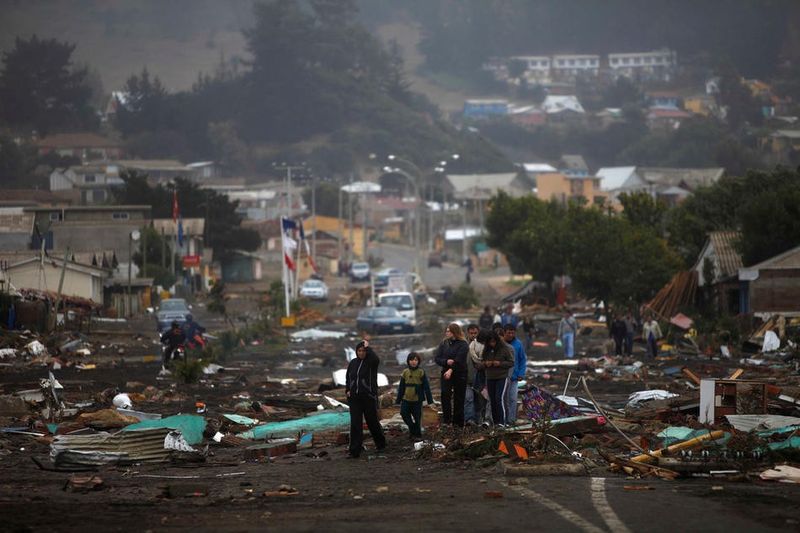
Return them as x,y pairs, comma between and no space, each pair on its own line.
288,169
314,221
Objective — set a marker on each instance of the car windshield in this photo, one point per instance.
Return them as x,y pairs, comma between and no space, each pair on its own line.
173,305
312,283
381,312
360,266
399,301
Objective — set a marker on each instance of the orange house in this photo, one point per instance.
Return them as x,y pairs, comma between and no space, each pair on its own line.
554,185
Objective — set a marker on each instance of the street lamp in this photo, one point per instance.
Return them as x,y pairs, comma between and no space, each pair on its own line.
132,237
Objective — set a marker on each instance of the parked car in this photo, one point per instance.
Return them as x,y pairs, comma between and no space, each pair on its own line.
402,301
169,311
359,272
314,289
435,260
383,321
382,277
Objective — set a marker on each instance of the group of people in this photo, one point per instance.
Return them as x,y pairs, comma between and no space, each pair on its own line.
480,375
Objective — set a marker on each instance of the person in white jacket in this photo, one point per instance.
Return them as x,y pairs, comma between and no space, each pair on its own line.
651,333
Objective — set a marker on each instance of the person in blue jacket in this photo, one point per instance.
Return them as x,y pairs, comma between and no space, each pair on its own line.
517,372
413,387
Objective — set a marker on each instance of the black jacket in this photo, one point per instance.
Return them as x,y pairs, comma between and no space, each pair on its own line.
172,338
456,350
618,329
362,375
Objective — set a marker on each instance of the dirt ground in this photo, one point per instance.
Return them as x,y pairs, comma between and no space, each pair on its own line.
394,490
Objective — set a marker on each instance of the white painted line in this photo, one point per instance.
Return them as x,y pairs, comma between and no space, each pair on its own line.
557,508
600,502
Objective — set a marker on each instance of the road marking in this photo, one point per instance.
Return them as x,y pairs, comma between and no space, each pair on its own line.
600,501
557,508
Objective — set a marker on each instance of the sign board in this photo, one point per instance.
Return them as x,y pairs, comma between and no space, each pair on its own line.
288,321
191,261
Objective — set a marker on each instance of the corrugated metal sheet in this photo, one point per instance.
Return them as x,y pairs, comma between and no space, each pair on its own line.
728,259
139,446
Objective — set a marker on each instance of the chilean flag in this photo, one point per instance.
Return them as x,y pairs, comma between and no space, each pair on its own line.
176,217
308,250
289,244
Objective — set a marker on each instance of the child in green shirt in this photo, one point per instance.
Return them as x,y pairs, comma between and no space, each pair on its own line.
413,385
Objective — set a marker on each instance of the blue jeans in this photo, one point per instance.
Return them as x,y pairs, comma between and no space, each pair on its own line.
497,394
469,405
510,401
569,344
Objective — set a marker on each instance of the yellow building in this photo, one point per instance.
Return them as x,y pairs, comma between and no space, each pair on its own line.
558,186
335,226
698,105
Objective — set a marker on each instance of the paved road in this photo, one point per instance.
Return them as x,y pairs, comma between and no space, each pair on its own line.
450,274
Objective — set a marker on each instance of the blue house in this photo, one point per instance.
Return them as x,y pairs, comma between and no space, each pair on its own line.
485,108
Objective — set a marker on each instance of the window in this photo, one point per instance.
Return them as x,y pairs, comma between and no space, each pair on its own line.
571,62
89,178
626,60
56,217
120,215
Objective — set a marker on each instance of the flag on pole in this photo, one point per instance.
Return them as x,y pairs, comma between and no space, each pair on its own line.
289,244
307,248
177,218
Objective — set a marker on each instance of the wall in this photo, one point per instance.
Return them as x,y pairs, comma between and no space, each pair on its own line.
776,291
75,283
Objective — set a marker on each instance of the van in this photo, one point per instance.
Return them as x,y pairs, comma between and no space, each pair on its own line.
402,301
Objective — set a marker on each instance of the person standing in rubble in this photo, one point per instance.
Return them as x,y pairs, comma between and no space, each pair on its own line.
469,398
567,330
509,317
451,355
478,383
497,359
517,372
630,331
618,331
413,389
362,396
651,332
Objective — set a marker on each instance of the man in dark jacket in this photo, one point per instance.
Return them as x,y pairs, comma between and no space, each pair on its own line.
452,357
171,339
618,331
362,397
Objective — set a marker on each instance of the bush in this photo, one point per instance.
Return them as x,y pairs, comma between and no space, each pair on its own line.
189,371
463,297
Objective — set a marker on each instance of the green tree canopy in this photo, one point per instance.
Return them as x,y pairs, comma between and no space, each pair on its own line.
607,256
223,230
41,89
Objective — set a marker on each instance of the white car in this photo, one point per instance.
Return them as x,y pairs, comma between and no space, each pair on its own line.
314,289
359,272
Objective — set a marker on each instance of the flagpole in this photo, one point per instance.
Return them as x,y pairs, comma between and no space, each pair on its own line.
285,269
295,287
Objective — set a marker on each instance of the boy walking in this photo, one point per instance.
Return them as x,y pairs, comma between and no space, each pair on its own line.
413,386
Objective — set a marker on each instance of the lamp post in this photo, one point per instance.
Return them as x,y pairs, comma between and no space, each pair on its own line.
133,236
288,169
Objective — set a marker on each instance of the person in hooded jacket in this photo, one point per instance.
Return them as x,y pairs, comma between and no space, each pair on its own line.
497,359
451,355
413,387
362,396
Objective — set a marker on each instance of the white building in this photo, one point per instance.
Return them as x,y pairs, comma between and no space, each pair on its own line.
571,66
537,68
656,64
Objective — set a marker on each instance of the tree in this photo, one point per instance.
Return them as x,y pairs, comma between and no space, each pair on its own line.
145,105
16,164
223,225
641,209
769,219
622,92
740,106
40,89
607,256
326,199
